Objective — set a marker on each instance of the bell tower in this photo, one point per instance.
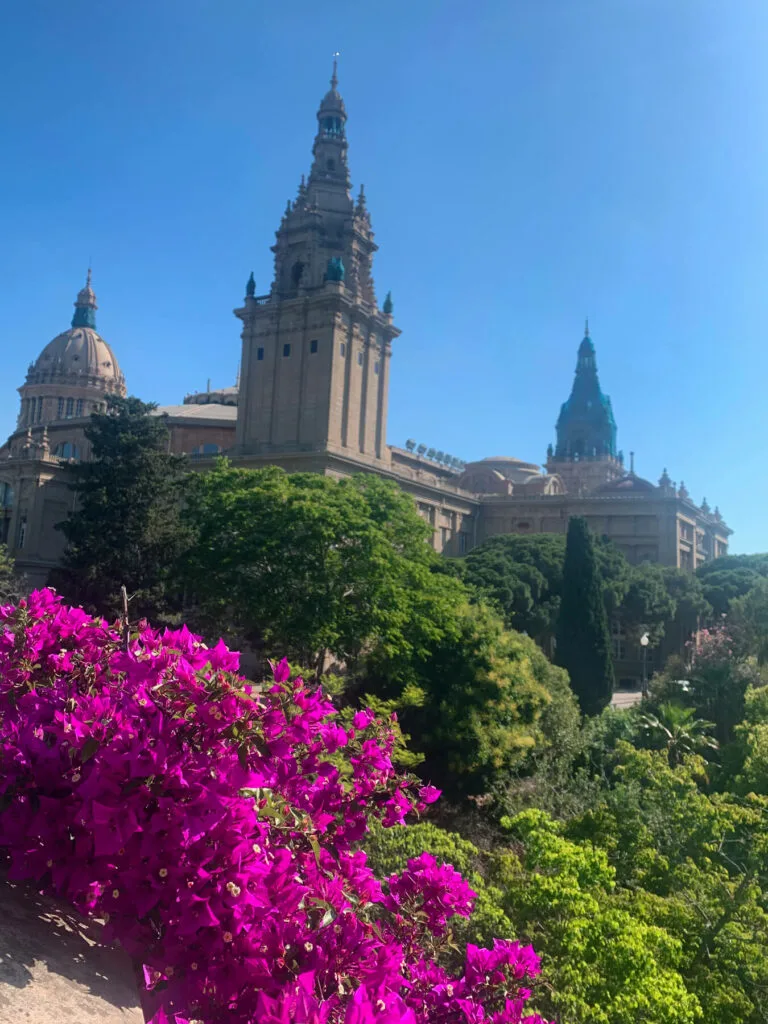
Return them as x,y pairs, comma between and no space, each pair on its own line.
585,456
316,348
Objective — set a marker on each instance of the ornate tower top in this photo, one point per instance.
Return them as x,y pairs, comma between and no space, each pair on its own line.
586,428
325,240
85,306
330,148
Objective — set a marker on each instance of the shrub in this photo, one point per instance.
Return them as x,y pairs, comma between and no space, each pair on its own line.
215,831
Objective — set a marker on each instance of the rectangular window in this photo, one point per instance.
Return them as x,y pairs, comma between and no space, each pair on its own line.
259,353
462,543
70,406
313,346
79,407
376,368
286,351
60,413
22,532
343,349
39,409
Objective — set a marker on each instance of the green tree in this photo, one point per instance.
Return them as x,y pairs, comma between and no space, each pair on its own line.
338,574
126,527
10,584
647,606
583,642
603,962
691,606
488,698
719,677
678,731
308,567
749,615
523,577
725,579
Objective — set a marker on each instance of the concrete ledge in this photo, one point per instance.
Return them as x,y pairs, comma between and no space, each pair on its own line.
53,968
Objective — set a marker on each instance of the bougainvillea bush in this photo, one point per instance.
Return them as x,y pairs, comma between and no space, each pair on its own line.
215,830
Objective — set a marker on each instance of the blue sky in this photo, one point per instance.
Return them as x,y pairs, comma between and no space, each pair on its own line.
526,162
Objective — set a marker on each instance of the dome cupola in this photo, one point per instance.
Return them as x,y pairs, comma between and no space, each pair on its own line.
75,371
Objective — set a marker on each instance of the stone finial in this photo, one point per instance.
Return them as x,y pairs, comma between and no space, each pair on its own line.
335,75
718,515
683,490
705,507
550,451
250,288
665,483
45,444
361,207
586,327
388,306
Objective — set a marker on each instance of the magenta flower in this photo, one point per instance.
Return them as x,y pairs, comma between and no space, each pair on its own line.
211,830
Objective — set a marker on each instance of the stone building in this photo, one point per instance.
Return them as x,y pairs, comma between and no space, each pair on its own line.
312,396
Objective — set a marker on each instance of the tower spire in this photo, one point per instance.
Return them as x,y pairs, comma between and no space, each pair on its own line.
85,306
334,76
586,428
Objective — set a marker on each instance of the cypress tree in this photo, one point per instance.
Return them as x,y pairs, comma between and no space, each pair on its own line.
583,640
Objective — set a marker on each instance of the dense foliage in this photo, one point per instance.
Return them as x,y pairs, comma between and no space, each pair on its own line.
628,847
10,585
523,577
338,576
215,831
126,528
583,641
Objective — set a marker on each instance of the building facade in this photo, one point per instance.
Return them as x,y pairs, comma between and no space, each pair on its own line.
312,396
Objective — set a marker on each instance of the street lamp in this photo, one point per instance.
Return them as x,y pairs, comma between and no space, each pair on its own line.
644,641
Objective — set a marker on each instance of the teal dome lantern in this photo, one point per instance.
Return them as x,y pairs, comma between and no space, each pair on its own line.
85,306
586,428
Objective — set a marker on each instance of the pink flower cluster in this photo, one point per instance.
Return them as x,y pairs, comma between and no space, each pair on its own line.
215,830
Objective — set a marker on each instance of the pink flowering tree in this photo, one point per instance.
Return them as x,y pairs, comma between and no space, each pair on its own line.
720,675
215,832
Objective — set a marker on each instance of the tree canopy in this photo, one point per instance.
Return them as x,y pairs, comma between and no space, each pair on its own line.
126,528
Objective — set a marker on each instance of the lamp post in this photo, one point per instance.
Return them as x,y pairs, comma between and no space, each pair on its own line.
644,641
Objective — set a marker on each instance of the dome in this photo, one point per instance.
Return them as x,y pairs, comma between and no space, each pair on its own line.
629,484
79,352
